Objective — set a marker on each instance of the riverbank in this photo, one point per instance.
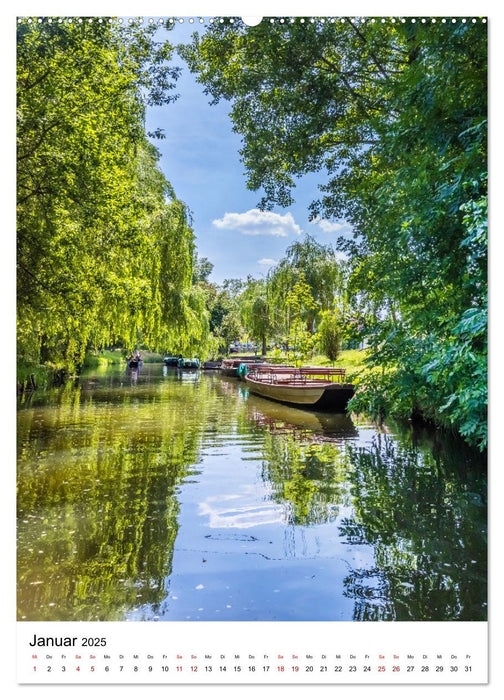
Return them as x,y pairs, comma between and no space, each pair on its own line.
30,377
353,361
116,357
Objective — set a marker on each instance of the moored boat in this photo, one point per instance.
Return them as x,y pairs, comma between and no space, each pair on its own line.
188,363
319,388
134,361
211,364
171,360
239,366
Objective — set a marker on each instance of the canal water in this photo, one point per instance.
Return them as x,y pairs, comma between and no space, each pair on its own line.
170,495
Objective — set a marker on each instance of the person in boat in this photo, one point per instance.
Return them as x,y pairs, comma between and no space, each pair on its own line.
138,357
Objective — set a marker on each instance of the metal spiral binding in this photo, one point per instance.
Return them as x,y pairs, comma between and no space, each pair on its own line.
251,21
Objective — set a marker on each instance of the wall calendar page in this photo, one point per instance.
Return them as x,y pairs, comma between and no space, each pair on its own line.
251,379
267,653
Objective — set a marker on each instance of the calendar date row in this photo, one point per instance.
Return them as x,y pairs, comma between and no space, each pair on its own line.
287,669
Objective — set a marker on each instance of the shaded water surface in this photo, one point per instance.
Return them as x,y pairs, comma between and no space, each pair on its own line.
176,495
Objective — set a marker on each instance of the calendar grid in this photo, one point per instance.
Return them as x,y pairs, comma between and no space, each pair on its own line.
174,653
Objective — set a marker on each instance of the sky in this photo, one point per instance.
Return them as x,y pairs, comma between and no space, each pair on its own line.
200,157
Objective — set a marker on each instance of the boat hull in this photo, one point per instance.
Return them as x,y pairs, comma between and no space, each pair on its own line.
229,371
320,396
211,365
335,398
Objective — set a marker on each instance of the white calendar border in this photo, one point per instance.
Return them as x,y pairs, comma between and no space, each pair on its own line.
250,7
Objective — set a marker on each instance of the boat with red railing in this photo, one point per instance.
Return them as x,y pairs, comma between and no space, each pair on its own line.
319,388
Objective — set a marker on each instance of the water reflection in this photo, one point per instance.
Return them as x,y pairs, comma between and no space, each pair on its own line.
424,517
303,424
178,496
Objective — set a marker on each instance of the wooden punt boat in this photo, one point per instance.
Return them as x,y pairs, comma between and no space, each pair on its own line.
319,388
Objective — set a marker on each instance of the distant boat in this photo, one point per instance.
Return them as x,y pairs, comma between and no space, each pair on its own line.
319,388
210,364
188,363
171,360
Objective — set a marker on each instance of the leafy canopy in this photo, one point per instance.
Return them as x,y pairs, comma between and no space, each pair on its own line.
105,249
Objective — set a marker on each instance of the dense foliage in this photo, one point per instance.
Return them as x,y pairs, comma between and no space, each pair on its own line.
393,115
105,249
330,333
256,312
286,306
320,269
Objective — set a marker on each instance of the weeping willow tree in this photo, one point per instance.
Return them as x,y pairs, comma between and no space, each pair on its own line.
105,248
289,303
256,311
319,268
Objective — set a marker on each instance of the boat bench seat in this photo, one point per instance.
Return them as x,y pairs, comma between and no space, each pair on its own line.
335,373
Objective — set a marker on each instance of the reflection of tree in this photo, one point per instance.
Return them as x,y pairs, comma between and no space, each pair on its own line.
309,477
97,498
99,473
425,520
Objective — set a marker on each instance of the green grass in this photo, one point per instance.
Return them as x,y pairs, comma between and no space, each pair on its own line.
104,358
351,360
151,356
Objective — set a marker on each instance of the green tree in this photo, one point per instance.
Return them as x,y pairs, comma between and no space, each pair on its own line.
320,269
299,302
256,312
330,333
234,286
225,324
105,249
202,269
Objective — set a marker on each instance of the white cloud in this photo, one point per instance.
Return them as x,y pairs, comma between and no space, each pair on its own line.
332,226
259,223
267,261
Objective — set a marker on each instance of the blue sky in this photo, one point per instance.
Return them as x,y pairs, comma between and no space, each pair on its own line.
200,157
